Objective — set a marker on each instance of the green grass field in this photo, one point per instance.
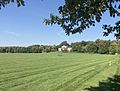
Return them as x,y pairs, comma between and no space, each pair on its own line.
54,71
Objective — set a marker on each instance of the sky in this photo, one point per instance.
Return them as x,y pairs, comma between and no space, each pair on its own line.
24,26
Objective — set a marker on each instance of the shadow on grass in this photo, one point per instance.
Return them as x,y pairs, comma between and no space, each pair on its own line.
111,84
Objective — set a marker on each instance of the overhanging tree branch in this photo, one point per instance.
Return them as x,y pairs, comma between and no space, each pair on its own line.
77,15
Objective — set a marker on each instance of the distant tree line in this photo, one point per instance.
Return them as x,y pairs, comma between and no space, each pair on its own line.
97,46
29,49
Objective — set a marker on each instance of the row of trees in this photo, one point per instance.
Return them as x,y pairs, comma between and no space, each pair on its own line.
29,49
98,46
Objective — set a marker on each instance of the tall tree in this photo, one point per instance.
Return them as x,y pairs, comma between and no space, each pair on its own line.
92,47
113,47
76,47
103,46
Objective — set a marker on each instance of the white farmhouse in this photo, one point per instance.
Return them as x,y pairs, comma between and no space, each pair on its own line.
69,49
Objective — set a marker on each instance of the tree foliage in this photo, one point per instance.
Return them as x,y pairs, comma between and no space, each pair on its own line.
77,15
103,46
98,46
92,47
3,3
113,47
29,49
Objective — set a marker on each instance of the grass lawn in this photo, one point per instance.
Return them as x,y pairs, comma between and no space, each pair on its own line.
54,71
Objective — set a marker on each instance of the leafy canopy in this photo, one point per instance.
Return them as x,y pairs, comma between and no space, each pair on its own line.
3,3
77,15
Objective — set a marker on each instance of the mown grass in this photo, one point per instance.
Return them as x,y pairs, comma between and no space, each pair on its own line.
54,71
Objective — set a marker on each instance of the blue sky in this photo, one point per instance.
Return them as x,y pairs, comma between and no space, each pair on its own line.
24,26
